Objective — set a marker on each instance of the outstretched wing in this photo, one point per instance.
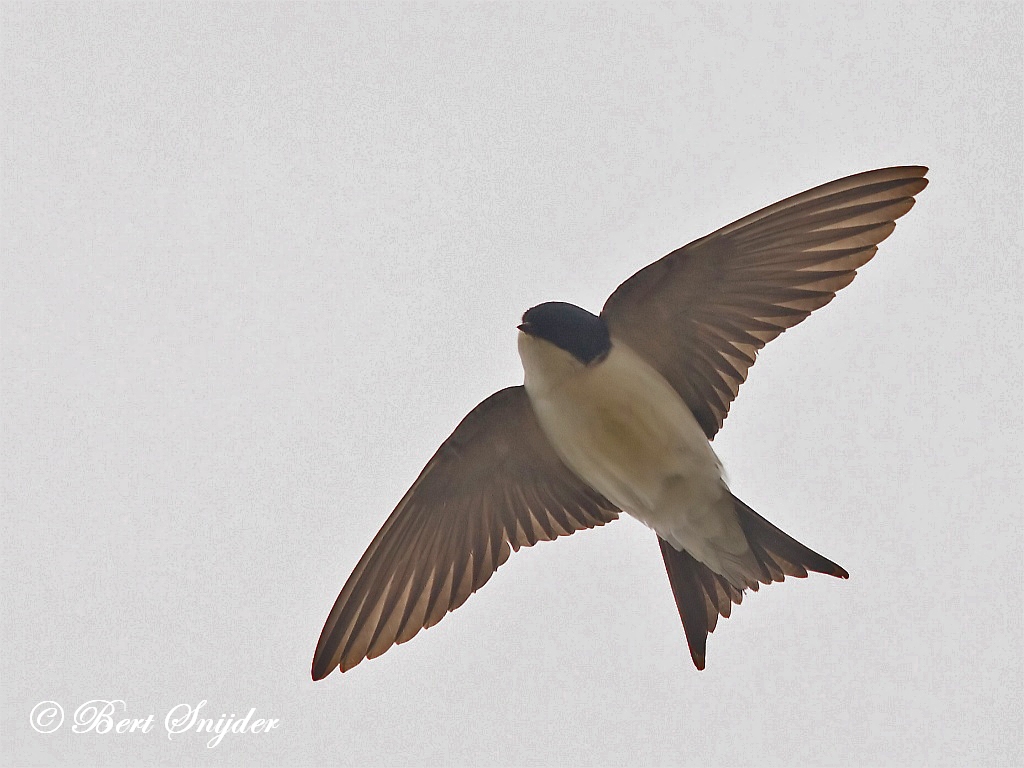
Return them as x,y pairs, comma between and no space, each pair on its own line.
700,314
492,487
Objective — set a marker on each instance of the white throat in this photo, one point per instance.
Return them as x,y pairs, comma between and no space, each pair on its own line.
545,366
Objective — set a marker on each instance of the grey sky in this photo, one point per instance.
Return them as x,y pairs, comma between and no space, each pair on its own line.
259,261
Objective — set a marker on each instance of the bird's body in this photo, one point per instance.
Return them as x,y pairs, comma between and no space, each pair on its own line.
616,413
619,426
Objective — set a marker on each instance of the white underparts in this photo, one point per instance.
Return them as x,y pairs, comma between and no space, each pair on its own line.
622,428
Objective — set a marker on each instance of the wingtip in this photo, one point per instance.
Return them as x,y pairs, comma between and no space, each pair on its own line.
318,672
836,570
914,170
918,172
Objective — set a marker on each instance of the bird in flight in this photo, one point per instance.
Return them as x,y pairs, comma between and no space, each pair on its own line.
616,414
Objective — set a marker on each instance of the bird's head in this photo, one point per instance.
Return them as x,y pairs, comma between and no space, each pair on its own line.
580,333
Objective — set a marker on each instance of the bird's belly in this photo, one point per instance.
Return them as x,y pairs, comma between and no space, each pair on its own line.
623,429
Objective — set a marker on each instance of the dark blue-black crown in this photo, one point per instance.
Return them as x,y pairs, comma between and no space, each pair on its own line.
578,332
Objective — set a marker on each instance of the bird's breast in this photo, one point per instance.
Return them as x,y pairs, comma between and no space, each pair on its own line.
622,428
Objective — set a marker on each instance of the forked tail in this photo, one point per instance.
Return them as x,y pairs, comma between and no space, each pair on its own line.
703,595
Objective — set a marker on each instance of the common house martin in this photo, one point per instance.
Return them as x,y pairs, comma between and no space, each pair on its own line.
616,414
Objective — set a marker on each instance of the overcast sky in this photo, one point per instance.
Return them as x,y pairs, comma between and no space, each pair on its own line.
258,262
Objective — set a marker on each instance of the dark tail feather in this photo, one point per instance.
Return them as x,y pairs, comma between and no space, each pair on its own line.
702,595
699,593
778,553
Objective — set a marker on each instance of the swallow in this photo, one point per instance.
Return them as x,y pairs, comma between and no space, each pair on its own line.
616,414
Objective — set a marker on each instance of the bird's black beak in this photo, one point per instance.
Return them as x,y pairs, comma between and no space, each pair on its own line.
526,328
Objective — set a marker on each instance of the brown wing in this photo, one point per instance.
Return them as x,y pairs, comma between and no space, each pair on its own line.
492,487
700,314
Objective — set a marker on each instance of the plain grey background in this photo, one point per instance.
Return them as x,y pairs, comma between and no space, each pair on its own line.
258,262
